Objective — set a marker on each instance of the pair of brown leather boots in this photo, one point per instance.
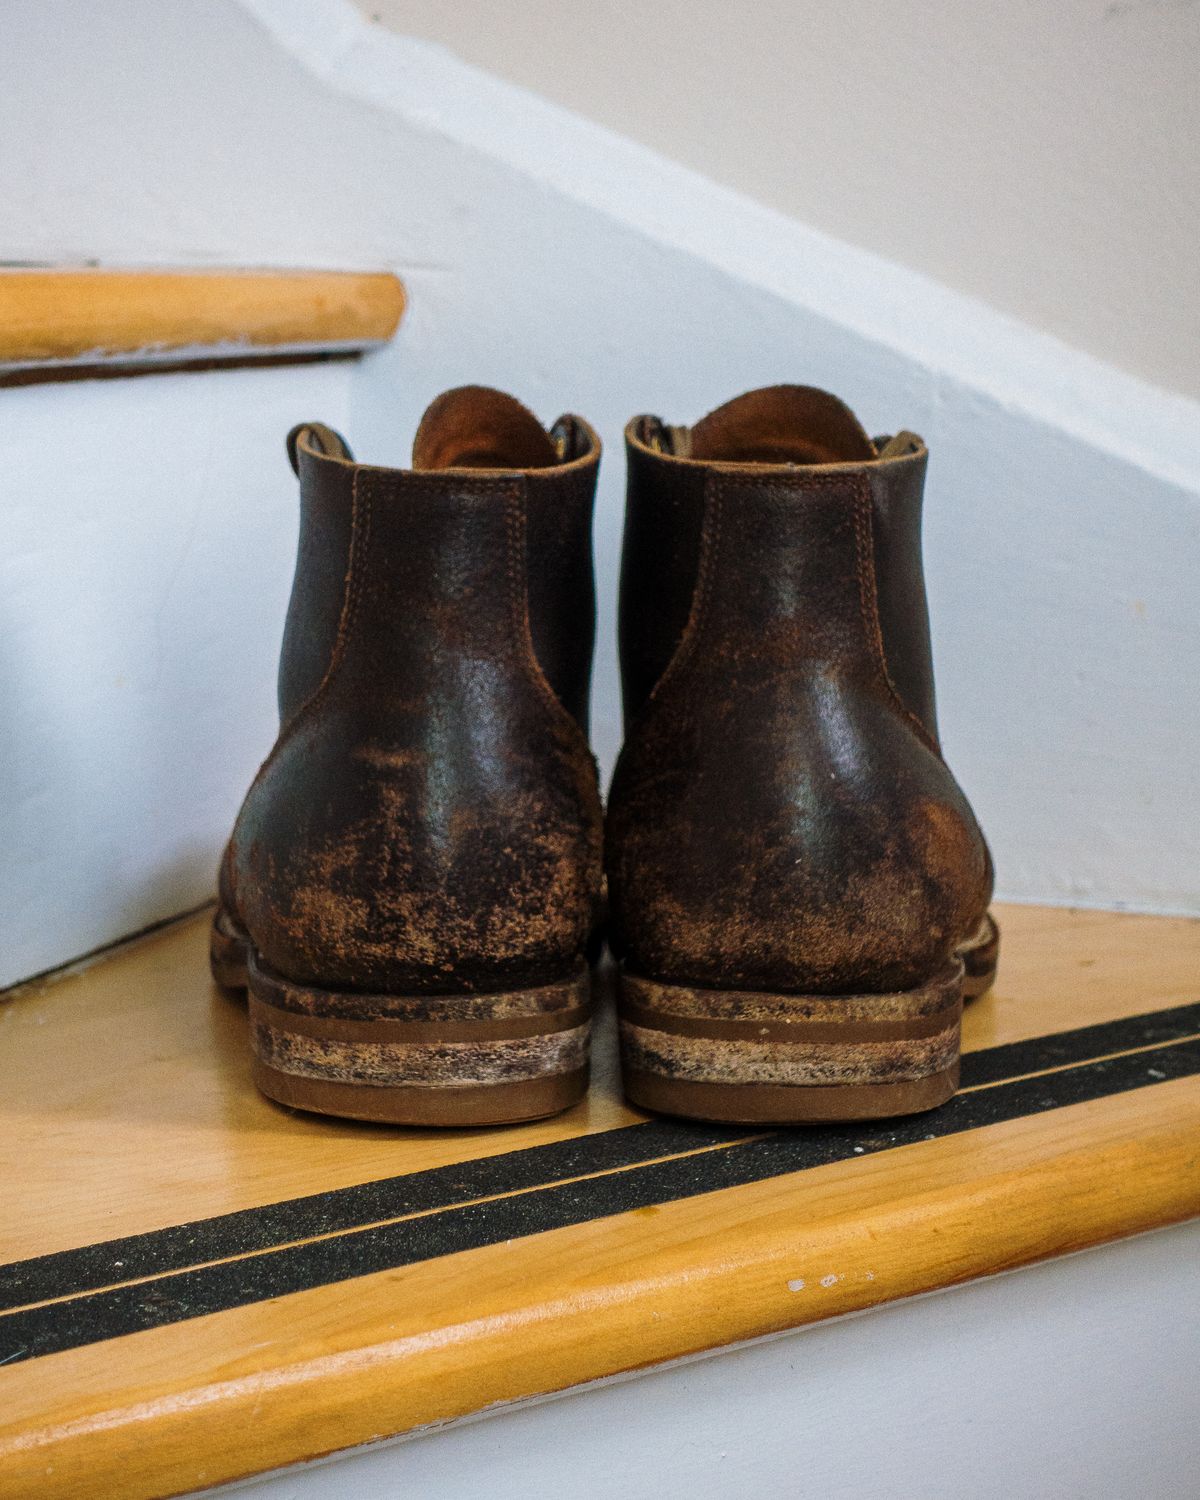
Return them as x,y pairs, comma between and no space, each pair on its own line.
796,890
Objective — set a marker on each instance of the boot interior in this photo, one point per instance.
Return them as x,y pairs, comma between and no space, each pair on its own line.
475,427
780,424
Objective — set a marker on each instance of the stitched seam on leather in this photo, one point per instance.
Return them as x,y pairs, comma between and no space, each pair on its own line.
868,596
514,573
360,530
716,486
710,537
523,651
360,537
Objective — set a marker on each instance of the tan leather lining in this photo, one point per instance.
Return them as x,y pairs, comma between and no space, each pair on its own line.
781,424
475,427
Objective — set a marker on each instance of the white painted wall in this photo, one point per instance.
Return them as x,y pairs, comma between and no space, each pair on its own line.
149,525
1062,1382
1040,155
149,539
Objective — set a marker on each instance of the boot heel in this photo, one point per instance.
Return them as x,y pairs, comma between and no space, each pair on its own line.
749,1058
410,1060
421,1059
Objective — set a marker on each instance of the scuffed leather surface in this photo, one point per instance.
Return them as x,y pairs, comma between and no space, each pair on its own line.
429,820
780,818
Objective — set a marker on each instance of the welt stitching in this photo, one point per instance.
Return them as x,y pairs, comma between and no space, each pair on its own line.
869,604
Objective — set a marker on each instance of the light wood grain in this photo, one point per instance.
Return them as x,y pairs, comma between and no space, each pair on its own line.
50,317
127,1106
133,1089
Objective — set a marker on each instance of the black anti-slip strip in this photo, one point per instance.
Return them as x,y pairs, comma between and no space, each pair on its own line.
91,1267
69,1272
1062,1048
48,1329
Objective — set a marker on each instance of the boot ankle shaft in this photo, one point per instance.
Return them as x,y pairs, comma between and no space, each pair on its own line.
429,818
403,576
773,539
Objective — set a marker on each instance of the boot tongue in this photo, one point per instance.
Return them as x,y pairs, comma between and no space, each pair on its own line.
781,424
475,427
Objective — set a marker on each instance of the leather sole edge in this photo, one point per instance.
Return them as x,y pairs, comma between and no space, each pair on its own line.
750,1058
468,1105
788,1104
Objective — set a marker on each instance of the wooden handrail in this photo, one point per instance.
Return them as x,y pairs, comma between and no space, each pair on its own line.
97,317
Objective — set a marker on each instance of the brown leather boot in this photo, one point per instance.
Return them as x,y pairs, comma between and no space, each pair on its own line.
414,878
796,879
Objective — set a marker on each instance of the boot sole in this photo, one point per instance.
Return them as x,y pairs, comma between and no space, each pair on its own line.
465,1059
744,1057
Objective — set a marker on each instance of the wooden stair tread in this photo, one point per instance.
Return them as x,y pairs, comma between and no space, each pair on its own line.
197,1285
